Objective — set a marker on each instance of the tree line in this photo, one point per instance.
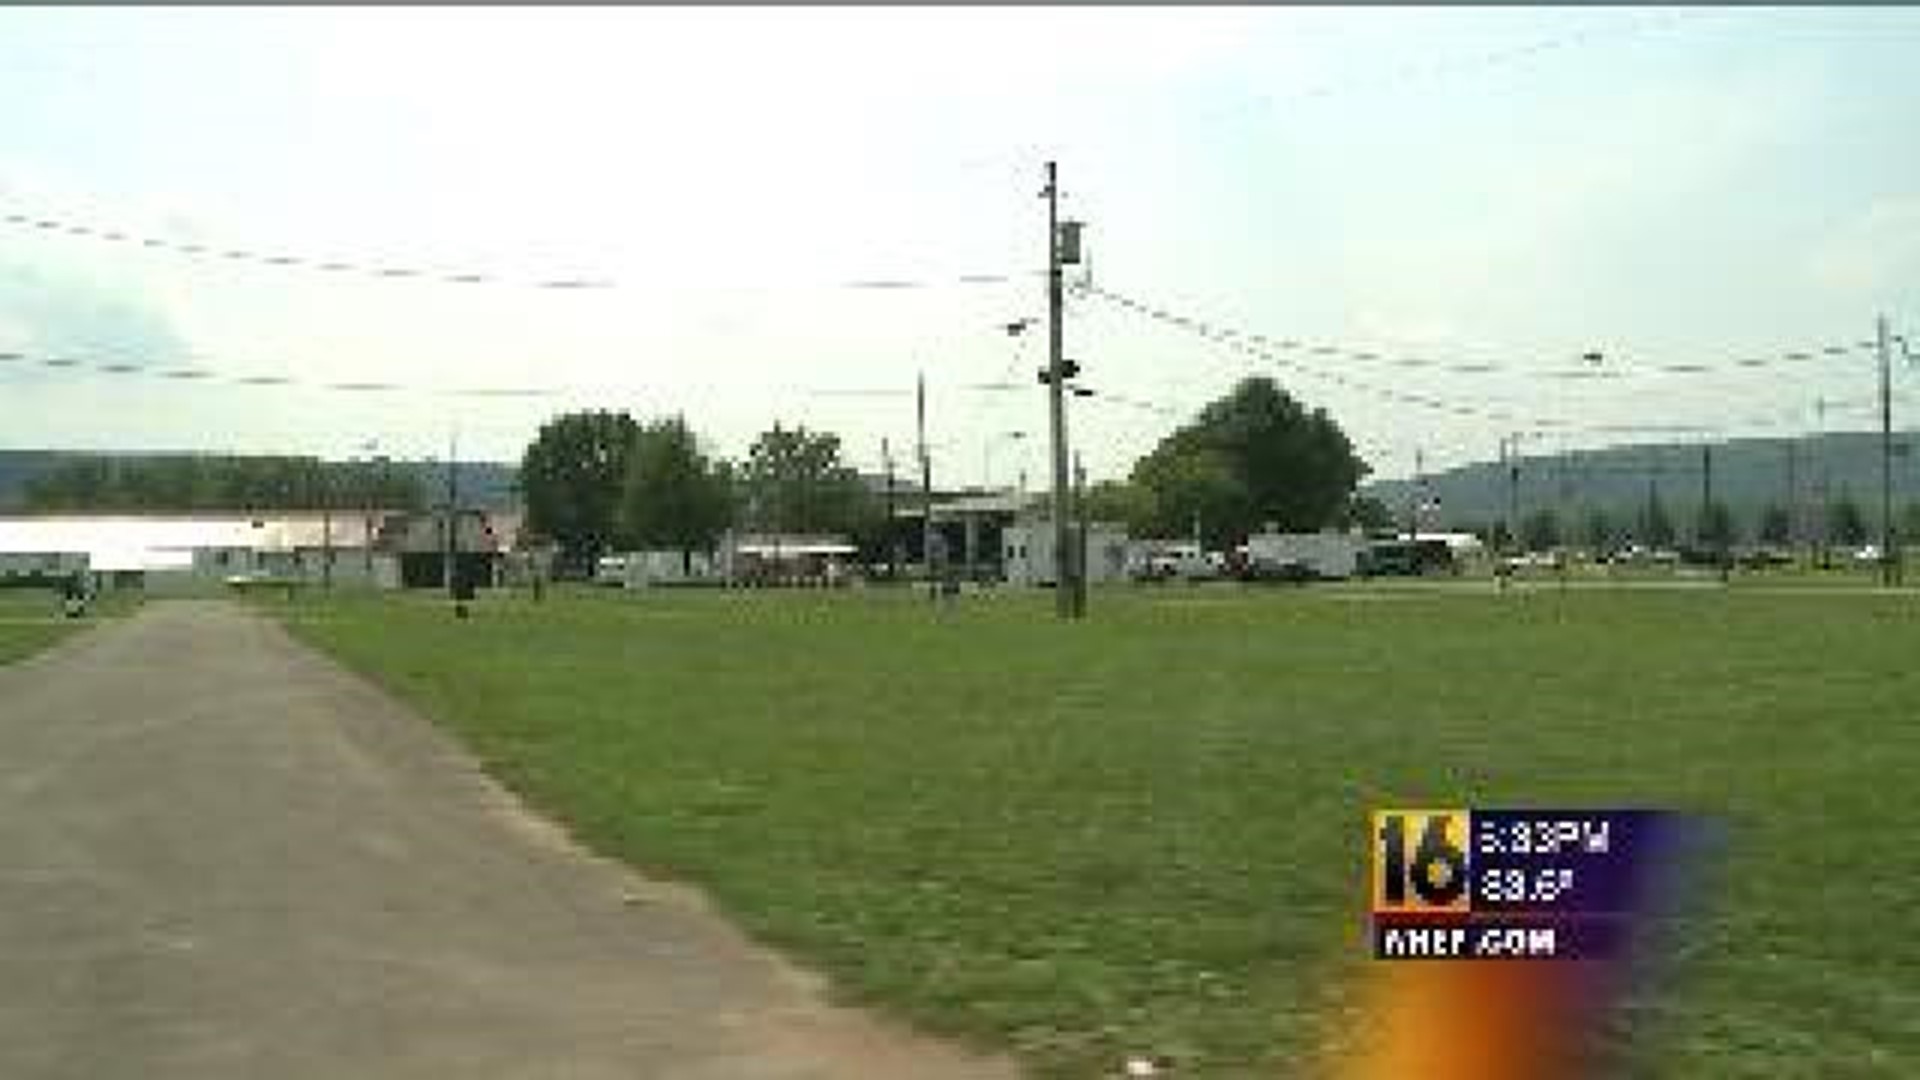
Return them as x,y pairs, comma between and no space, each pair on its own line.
202,482
598,481
1713,526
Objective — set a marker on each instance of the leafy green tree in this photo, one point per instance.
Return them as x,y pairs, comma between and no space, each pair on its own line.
1368,512
674,497
1254,456
1776,525
1845,524
1541,530
1599,531
1123,501
1715,527
189,482
1194,487
572,476
1656,525
795,482
1910,522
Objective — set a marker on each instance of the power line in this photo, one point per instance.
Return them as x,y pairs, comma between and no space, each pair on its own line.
1265,348
176,371
1254,345
1450,66
384,271
1255,104
1611,369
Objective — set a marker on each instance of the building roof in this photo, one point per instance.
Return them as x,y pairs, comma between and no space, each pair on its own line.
167,541
975,504
790,544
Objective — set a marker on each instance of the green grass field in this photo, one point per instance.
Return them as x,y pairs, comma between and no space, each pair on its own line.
1145,833
30,620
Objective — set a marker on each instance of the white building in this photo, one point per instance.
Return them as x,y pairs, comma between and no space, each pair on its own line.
1026,552
200,553
783,558
644,569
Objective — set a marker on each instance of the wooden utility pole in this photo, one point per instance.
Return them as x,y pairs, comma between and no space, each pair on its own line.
1080,539
926,489
893,545
326,529
1889,559
453,515
1056,403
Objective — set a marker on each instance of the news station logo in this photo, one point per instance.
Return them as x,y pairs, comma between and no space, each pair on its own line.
1420,862
1460,883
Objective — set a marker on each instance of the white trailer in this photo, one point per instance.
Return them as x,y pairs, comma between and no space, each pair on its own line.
643,569
1324,554
1026,552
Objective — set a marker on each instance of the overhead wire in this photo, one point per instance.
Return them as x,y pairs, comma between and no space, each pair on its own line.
1269,349
178,371
387,271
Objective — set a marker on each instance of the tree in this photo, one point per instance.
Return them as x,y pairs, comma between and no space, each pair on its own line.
674,497
1910,522
1368,512
1599,530
1193,489
1715,527
1845,524
1776,525
794,482
1656,527
184,482
1541,530
1123,501
572,475
1254,456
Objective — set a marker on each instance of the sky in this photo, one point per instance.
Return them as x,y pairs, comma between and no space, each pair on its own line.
1447,209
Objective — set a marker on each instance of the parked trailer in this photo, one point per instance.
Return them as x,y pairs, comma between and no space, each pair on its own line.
1330,555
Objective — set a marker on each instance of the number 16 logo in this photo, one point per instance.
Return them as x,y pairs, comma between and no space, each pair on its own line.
1419,861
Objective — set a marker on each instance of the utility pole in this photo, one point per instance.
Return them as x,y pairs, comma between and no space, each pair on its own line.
1889,568
1706,491
926,488
1513,490
1823,520
1413,494
893,545
1056,401
1080,542
1793,498
367,525
453,518
326,529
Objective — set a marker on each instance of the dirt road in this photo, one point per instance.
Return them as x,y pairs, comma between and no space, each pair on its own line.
221,856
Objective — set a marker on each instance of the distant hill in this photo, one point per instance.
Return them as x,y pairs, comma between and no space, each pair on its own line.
1748,474
484,484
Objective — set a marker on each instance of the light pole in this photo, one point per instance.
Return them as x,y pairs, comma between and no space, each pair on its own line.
371,448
